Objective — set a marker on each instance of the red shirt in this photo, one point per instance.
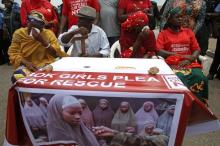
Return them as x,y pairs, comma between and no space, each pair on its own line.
134,5
183,42
71,7
127,40
42,6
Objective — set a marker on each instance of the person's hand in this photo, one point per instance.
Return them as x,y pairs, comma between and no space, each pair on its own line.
36,35
130,129
83,31
29,65
189,57
184,63
49,24
103,131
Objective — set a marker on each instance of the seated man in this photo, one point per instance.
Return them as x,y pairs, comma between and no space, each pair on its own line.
33,47
137,40
88,40
181,50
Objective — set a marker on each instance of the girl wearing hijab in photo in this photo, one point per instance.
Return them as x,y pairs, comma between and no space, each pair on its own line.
64,121
43,105
165,120
35,118
103,113
154,134
124,118
145,113
149,127
86,116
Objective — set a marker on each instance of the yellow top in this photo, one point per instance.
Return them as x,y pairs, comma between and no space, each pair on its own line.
26,47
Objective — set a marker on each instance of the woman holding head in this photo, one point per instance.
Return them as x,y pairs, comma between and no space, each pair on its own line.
136,37
64,121
33,47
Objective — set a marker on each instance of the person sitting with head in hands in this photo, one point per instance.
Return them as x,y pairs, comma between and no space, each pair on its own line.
136,39
88,40
33,47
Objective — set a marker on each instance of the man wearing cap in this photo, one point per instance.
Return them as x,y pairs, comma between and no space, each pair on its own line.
33,46
88,40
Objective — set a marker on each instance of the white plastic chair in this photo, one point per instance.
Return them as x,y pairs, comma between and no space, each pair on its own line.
206,62
115,46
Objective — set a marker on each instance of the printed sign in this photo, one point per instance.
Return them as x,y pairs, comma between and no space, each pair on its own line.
54,116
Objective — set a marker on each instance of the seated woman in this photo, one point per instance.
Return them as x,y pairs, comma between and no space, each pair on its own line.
137,40
33,47
180,48
64,121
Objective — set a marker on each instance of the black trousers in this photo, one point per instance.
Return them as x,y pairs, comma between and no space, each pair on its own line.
214,69
4,44
202,37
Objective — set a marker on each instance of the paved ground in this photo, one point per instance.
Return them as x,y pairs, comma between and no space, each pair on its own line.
209,139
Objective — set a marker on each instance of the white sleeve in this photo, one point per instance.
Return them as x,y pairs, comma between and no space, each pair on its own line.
74,27
105,48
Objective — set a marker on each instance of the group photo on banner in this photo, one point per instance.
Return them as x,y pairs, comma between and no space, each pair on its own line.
50,118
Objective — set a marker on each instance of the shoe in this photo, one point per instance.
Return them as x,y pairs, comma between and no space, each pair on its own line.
210,76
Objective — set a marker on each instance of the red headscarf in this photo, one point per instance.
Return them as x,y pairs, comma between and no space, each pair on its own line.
136,19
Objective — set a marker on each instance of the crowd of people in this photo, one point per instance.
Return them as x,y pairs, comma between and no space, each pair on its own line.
64,117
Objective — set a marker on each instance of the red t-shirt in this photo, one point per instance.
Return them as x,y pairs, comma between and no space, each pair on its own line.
71,7
127,40
134,5
183,42
42,6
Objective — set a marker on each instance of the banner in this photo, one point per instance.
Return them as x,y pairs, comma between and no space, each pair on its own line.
147,114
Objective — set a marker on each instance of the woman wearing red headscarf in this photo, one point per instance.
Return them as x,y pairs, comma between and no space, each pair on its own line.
42,6
137,40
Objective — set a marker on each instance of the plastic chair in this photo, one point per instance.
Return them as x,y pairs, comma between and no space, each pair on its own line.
115,46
